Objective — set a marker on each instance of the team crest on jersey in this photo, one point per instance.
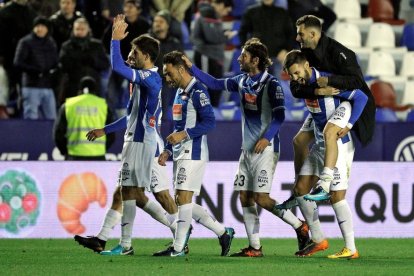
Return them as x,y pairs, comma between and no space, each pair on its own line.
177,112
263,179
151,121
204,100
251,101
313,106
181,176
144,74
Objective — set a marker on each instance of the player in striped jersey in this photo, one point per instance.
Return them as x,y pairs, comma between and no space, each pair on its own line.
262,105
140,136
193,118
337,112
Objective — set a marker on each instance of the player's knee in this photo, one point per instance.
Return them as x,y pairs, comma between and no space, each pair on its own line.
117,201
330,133
261,199
163,197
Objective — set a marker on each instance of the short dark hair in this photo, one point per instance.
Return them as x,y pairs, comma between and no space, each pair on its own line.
257,49
293,57
310,21
175,58
147,45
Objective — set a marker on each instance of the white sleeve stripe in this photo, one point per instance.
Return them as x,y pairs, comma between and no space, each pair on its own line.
352,94
133,75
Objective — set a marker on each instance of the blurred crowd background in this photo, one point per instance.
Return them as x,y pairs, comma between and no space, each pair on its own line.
48,46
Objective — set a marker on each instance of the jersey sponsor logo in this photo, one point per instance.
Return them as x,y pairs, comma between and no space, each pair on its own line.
181,176
177,112
405,150
251,101
263,179
313,106
144,74
152,121
204,100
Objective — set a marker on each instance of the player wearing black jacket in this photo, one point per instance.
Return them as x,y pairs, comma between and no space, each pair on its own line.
326,54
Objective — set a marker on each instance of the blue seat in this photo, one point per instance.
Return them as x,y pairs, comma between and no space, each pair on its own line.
186,37
230,111
385,115
235,41
240,6
407,38
410,116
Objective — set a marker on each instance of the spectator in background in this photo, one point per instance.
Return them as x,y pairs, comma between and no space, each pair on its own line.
76,117
92,10
168,43
118,93
297,8
111,8
44,7
62,21
177,8
209,38
81,56
37,56
16,21
273,26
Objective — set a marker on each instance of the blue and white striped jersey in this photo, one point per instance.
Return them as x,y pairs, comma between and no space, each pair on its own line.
144,105
262,106
323,107
192,112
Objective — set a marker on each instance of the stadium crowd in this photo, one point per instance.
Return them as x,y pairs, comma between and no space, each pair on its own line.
39,72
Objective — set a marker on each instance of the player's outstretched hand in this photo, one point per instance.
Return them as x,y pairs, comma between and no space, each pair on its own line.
187,61
163,158
95,133
119,28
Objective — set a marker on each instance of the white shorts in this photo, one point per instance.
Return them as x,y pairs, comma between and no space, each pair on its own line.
188,175
314,163
341,115
256,171
159,178
136,164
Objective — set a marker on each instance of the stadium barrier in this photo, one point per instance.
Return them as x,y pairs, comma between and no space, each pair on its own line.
26,140
61,199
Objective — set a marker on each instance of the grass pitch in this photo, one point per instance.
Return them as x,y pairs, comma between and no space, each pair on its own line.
66,257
